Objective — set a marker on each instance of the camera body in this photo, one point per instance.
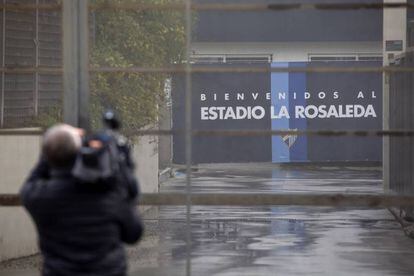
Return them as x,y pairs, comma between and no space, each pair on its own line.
104,164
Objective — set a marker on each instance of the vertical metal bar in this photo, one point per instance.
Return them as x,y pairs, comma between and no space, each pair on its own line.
83,27
188,131
36,81
410,125
394,27
75,63
3,62
386,141
70,53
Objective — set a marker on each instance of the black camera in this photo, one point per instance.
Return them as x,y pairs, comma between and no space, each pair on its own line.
104,163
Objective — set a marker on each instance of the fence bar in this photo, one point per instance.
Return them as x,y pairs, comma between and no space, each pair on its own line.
213,69
251,69
296,199
75,63
260,199
3,61
247,7
30,7
188,132
36,74
361,133
219,132
281,132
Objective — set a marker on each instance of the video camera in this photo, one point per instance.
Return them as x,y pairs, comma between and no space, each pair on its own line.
104,163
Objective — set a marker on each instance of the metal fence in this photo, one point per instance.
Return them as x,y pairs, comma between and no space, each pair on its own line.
401,117
75,72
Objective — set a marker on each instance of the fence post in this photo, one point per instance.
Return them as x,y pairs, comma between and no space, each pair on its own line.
3,64
75,63
394,29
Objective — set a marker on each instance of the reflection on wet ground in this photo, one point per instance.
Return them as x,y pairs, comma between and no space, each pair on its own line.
227,241
281,240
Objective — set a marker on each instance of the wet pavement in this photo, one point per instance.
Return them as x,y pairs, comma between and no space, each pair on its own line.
227,241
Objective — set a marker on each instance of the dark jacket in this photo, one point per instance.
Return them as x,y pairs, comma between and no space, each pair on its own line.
81,228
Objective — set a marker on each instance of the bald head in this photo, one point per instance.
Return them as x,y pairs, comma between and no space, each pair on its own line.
61,144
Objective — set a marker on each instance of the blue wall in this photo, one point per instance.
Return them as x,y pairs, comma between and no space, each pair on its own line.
288,148
279,82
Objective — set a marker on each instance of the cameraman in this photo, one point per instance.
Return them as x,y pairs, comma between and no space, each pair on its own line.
81,227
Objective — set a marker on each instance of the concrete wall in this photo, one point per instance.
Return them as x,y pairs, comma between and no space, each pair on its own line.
164,144
145,154
17,233
18,155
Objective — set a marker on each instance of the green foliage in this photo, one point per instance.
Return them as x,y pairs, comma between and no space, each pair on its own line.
133,38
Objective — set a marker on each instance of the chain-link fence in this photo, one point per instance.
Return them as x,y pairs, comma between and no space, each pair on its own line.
137,50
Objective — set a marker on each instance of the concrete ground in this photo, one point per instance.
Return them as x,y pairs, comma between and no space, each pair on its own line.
268,240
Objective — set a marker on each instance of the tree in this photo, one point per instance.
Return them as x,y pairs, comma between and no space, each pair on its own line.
125,38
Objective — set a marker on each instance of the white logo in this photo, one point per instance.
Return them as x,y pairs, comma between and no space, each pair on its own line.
290,139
